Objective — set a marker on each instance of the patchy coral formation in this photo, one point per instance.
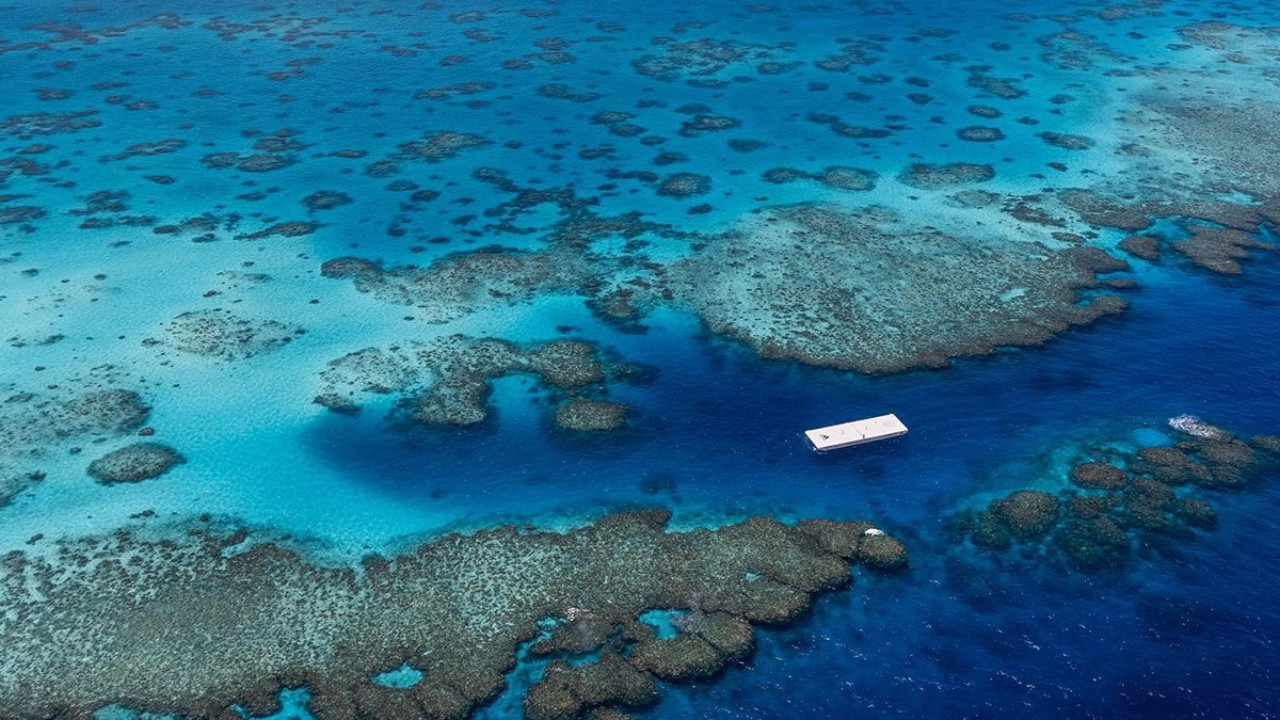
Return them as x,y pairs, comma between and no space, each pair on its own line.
834,176
700,123
32,426
1143,247
987,85
700,62
459,284
1220,234
591,415
441,146
1111,508
980,133
685,184
325,200
218,333
1219,249
134,463
28,125
254,163
83,630
844,129
941,177
295,228
20,214
619,287
1098,476
147,149
448,381
866,291
1066,141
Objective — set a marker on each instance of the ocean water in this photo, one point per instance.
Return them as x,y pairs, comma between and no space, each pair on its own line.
1184,629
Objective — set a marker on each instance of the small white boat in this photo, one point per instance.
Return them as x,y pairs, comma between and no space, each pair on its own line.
857,432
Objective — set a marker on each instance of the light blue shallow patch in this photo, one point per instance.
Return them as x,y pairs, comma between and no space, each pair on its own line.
664,620
403,677
293,705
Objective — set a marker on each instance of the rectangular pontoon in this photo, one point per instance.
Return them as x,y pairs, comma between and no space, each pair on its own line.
857,432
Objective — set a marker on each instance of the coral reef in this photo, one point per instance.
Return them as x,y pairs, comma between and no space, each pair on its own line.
220,334
591,415
835,176
700,123
1098,476
1028,515
325,200
698,62
1110,508
83,630
1067,142
680,185
1144,247
134,463
448,381
441,146
254,163
941,177
867,291
28,125
33,425
20,214
980,133
459,284
1219,249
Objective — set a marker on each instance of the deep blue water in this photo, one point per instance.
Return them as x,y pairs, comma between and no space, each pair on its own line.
1186,629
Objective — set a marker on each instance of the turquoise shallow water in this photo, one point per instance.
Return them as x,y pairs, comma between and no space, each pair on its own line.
1186,629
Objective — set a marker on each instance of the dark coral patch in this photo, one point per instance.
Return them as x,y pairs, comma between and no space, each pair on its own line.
1098,476
937,177
685,184
1145,499
325,200
980,133
135,463
591,415
1067,141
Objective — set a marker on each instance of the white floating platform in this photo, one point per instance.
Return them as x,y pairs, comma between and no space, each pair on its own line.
857,432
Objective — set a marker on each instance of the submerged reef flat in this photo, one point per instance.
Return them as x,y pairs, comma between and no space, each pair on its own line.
448,381
462,283
84,629
33,426
1221,126
220,334
868,291
1119,501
